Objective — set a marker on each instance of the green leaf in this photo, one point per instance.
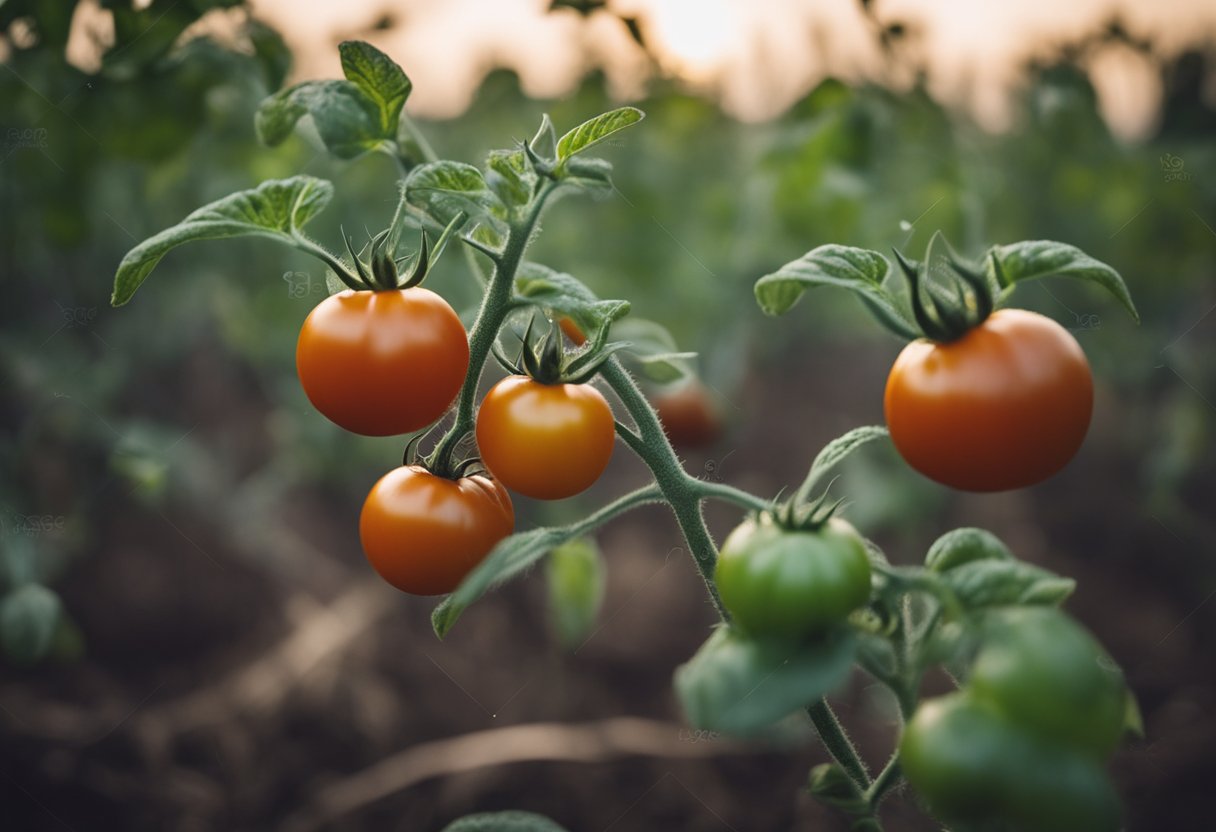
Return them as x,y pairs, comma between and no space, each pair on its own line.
503,822
835,451
509,558
566,295
544,143
347,120
1032,259
993,583
29,618
596,130
276,209
575,580
857,269
739,685
653,351
965,545
444,189
510,177
591,175
379,78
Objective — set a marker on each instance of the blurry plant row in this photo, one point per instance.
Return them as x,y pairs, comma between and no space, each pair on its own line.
91,408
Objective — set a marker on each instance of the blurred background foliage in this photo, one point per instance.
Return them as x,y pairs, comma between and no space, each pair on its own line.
177,420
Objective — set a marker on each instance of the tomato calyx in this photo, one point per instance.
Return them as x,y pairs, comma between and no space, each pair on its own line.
799,515
945,317
546,361
378,270
456,467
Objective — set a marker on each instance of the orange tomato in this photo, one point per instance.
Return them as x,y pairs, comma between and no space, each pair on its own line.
1005,406
424,533
547,441
382,363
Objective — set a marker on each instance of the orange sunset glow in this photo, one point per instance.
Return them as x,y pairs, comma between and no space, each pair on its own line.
757,56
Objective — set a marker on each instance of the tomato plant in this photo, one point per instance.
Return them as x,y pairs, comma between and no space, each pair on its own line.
984,398
355,347
547,441
423,533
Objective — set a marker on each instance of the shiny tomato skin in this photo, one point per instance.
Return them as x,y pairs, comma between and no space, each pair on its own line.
1005,406
547,441
688,415
382,363
792,584
424,533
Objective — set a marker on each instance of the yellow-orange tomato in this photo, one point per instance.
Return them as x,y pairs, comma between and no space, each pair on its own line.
546,441
1005,406
424,533
382,363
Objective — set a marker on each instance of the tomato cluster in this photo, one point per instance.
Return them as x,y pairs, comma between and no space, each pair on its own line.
792,583
392,361
1023,743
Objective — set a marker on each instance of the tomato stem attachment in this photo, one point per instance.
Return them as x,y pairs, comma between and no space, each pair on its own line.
945,318
308,246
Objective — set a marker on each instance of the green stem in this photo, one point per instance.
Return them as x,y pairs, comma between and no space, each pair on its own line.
681,490
646,494
684,493
886,780
308,246
495,306
722,491
837,742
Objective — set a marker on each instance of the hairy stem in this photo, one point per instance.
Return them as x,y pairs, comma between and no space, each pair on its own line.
679,488
837,742
730,494
646,494
886,780
495,306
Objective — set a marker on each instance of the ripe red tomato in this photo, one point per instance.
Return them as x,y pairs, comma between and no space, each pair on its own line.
688,415
424,533
547,441
1005,406
382,363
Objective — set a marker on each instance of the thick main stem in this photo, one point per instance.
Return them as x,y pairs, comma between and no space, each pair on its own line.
682,491
495,306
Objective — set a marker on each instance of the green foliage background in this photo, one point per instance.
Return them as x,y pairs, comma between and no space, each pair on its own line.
104,409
